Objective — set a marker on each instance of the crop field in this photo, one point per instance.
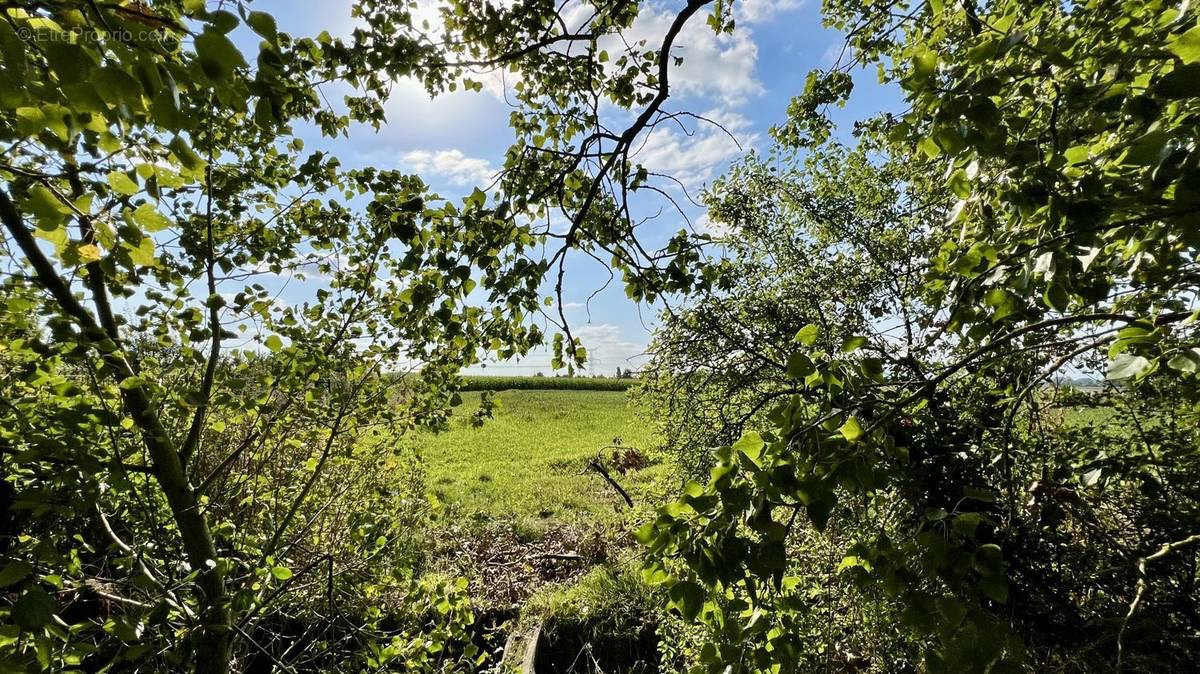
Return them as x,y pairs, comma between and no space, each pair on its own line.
504,383
531,460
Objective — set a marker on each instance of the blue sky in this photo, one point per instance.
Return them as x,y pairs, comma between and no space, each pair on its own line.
744,80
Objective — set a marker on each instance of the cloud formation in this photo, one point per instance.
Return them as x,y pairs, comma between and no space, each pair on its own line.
608,348
761,11
716,66
453,165
706,225
694,152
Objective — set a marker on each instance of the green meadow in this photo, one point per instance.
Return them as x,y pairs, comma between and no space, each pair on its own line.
530,461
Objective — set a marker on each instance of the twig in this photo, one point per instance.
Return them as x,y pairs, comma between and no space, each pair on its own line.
1165,550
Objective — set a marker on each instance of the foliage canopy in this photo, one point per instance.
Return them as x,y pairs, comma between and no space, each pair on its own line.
925,453
183,454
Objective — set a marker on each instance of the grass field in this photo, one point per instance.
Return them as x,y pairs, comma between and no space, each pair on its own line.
530,460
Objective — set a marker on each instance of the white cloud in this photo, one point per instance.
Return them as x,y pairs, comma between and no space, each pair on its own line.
694,159
717,66
455,166
837,52
608,348
705,225
759,11
720,66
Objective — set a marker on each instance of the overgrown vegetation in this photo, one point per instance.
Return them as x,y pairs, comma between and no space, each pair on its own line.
860,380
607,620
830,242
916,500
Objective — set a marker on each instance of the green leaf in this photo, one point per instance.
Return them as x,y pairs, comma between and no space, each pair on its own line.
34,609
142,254
851,562
688,598
30,121
1056,297
264,113
820,508
925,63
222,21
9,635
1126,366
989,560
476,198
799,366
124,629
149,219
47,208
851,430
929,147
118,87
854,343
184,153
1182,82
281,572
751,444
15,572
274,343
808,334
773,555
218,56
981,495
646,533
994,588
55,118
1187,45
952,610
263,24
130,383
87,252
1077,154
966,523
1187,360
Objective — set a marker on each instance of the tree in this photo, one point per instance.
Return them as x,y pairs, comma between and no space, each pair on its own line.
832,240
943,475
153,178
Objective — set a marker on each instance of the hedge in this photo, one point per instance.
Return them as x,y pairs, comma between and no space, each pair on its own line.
502,383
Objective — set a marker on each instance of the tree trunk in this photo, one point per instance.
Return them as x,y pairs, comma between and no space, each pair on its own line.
214,637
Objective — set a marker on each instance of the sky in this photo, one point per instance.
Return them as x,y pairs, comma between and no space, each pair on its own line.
745,81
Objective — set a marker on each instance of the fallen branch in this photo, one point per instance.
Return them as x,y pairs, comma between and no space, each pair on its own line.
599,468
562,556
